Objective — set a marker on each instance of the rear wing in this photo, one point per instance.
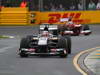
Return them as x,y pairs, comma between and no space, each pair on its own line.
50,27
64,19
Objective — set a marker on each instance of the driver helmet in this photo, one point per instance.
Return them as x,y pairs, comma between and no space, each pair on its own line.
45,33
70,18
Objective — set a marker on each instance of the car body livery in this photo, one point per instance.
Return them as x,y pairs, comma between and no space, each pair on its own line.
71,28
45,43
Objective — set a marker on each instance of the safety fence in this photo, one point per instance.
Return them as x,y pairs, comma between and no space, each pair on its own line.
14,16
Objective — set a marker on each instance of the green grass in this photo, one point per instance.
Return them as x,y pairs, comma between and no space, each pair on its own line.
3,37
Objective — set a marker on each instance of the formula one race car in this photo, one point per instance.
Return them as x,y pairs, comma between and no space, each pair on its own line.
45,43
70,28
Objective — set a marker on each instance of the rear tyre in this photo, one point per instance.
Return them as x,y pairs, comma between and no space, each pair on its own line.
86,27
55,32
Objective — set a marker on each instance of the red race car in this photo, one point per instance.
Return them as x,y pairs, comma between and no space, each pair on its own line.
71,28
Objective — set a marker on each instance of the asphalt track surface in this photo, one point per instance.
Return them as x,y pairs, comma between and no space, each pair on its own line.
12,64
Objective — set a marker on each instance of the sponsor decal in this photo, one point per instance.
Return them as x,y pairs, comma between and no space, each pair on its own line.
55,17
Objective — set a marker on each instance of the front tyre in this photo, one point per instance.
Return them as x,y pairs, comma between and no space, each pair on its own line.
23,55
62,43
68,38
23,44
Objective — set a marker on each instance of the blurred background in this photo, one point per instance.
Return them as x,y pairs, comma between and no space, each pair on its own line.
53,5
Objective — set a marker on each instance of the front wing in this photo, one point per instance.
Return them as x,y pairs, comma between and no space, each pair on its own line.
51,52
81,32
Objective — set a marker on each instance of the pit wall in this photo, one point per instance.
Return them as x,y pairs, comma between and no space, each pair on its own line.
21,16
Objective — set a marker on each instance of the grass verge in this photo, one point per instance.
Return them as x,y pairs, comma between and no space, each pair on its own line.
5,37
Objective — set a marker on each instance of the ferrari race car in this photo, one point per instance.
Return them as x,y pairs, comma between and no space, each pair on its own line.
70,28
45,43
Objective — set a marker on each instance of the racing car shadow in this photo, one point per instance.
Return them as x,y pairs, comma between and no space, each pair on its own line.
39,57
50,57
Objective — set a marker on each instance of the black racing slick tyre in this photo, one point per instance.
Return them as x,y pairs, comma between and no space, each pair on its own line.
24,43
62,43
86,27
69,43
55,32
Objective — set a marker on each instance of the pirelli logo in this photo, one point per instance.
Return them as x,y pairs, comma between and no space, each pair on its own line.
55,17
